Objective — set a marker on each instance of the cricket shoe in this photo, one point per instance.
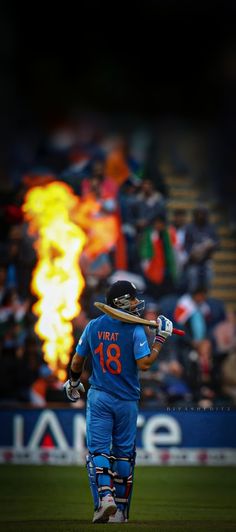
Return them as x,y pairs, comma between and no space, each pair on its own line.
107,508
118,517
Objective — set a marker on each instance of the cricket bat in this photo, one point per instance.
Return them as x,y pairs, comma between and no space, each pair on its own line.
130,318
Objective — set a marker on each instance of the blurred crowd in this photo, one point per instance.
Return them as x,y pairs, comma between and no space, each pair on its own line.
168,255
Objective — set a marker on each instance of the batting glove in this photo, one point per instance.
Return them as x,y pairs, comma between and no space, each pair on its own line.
164,329
72,390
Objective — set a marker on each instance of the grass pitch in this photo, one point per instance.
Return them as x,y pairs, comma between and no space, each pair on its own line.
165,499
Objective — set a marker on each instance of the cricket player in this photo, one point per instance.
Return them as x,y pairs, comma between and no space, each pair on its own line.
119,350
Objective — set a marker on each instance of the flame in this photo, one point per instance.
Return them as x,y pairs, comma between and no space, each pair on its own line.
63,226
57,280
102,228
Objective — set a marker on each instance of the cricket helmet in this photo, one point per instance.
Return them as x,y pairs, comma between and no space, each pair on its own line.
121,295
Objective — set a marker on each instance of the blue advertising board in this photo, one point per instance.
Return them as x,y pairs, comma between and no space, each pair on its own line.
163,436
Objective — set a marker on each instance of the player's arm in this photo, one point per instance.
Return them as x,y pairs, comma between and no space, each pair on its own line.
163,331
76,367
73,386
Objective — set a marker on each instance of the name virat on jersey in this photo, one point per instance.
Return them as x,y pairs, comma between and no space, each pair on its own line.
106,335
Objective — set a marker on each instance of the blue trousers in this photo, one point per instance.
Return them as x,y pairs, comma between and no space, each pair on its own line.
111,430
111,424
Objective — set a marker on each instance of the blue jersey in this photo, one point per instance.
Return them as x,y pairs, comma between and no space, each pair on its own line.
114,346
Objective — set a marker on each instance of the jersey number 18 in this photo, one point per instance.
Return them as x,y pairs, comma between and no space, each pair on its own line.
112,356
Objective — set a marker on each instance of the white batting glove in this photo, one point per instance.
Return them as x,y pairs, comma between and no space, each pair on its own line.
164,329
72,390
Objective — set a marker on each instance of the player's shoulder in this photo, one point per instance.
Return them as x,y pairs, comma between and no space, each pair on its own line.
139,330
93,322
139,327
89,325
96,321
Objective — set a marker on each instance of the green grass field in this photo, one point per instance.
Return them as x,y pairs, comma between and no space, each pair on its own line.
57,499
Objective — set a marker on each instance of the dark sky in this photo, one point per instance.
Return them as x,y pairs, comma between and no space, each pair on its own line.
150,57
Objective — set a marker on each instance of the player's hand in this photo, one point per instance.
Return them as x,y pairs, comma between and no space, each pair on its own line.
72,390
164,329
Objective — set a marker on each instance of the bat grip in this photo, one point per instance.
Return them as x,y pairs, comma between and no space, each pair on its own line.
179,332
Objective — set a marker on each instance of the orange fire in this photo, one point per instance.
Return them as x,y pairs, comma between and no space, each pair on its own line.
64,226
102,228
57,280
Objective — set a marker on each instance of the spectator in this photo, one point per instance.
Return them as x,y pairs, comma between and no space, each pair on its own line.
13,312
16,369
226,343
179,222
200,315
46,382
119,164
99,183
157,254
3,281
201,241
192,312
128,203
100,221
21,259
150,203
165,382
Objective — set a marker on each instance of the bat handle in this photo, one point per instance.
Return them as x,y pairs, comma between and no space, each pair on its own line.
178,331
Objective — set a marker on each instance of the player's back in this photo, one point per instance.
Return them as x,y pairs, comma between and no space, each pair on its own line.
115,347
